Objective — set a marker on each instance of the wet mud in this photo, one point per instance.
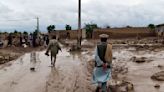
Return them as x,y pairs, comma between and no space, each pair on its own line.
68,75
73,71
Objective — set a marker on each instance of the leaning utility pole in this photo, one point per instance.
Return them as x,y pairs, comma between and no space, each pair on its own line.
79,25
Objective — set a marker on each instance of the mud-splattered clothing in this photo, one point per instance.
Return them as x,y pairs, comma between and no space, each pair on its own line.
53,47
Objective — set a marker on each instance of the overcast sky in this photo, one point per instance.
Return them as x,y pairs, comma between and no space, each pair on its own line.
21,14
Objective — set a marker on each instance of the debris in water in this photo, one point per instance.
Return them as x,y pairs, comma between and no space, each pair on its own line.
158,76
32,69
157,86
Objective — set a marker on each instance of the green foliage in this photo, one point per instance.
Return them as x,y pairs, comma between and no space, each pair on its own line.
89,29
151,26
5,32
19,32
51,28
25,33
68,27
128,26
15,32
108,26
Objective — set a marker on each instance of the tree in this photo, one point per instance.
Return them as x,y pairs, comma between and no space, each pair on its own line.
68,27
89,29
107,26
5,32
151,26
128,26
25,33
51,28
19,32
15,32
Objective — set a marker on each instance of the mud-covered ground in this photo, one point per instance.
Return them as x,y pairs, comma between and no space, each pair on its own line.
11,53
133,64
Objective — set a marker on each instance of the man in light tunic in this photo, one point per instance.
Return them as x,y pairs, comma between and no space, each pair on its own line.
54,48
103,60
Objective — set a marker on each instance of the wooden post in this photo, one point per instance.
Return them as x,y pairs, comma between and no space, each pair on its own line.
79,26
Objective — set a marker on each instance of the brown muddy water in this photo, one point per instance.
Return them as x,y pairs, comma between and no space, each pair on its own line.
71,74
139,74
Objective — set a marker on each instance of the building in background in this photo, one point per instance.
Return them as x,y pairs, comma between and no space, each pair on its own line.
160,30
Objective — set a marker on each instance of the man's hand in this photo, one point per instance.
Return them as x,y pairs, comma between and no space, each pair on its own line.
46,54
104,66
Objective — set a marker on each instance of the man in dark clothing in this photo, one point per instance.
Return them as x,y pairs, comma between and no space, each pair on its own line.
10,40
34,39
21,39
47,40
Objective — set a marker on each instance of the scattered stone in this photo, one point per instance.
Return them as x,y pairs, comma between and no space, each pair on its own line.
122,86
2,62
14,83
133,58
123,42
32,69
160,66
129,87
5,69
114,58
146,46
157,86
1,58
158,76
139,60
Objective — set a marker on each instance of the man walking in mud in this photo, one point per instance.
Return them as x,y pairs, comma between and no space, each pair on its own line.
103,60
54,48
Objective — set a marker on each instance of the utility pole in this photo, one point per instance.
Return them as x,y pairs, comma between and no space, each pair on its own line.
37,24
79,25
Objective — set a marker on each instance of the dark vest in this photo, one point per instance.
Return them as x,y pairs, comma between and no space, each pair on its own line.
101,51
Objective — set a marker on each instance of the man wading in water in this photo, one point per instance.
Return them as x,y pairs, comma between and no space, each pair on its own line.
54,48
103,61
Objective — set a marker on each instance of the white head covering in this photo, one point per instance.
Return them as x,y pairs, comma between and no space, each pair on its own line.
103,36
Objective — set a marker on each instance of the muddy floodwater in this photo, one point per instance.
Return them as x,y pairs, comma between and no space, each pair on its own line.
71,74
139,74
68,76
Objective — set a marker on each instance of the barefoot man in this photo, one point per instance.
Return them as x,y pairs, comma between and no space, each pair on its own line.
54,48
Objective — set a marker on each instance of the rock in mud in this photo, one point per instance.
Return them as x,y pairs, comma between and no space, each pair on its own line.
123,86
1,58
139,60
158,76
2,62
157,86
32,69
129,87
114,58
160,66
